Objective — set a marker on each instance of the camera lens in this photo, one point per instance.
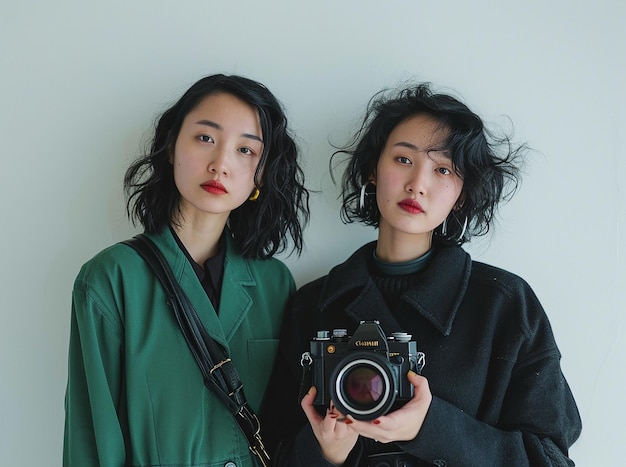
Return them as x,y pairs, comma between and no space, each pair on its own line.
362,385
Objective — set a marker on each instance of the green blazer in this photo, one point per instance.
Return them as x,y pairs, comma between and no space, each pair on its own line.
135,395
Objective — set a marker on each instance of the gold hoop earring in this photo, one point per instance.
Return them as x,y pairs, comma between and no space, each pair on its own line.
255,195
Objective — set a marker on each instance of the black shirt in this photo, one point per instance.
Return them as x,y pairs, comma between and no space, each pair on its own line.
210,275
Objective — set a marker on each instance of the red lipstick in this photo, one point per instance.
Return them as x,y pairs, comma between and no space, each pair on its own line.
214,187
411,206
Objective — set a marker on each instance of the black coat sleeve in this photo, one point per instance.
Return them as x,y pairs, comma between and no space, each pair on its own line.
286,431
533,418
537,427
285,428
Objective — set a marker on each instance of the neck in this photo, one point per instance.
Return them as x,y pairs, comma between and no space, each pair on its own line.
200,236
398,247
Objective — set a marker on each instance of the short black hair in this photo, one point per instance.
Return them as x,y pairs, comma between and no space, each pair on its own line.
488,165
260,228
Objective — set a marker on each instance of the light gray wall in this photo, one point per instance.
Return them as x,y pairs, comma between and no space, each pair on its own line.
80,83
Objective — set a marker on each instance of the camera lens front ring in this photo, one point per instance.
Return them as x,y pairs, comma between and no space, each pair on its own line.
363,386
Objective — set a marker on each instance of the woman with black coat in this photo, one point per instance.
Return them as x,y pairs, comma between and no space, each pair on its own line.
428,175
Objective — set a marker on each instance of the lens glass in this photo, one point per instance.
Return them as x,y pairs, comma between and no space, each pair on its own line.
363,386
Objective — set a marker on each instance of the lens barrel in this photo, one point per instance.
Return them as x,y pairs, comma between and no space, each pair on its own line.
363,385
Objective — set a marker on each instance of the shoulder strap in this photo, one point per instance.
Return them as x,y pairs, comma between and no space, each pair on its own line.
221,377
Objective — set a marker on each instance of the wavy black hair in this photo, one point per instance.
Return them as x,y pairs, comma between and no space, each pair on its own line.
488,165
261,228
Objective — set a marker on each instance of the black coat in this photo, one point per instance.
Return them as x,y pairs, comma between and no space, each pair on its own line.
499,396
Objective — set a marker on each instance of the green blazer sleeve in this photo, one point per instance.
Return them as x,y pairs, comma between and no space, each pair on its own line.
93,433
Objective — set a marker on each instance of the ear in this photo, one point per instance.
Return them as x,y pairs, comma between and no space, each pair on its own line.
170,154
372,178
460,201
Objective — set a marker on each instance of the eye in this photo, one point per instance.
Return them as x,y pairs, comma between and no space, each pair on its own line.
206,139
246,151
444,170
403,160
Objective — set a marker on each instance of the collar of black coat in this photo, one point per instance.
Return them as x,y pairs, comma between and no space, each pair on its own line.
437,297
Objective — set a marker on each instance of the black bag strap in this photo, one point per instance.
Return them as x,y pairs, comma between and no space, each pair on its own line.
221,377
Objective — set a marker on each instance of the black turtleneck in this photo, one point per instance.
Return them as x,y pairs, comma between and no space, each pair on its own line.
394,279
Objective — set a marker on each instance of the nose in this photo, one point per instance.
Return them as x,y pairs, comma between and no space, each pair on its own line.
218,162
418,183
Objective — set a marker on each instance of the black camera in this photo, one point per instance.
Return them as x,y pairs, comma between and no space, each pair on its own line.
364,374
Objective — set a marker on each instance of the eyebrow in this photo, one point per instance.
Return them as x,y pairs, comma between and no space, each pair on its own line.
219,127
412,147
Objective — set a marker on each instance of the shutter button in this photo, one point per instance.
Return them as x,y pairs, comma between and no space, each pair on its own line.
230,464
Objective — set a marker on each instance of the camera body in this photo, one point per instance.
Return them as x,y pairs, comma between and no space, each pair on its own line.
364,374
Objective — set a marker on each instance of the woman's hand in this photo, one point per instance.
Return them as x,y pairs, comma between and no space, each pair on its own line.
336,439
403,424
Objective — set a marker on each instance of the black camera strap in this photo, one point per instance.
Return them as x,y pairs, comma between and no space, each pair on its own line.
221,377
307,375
